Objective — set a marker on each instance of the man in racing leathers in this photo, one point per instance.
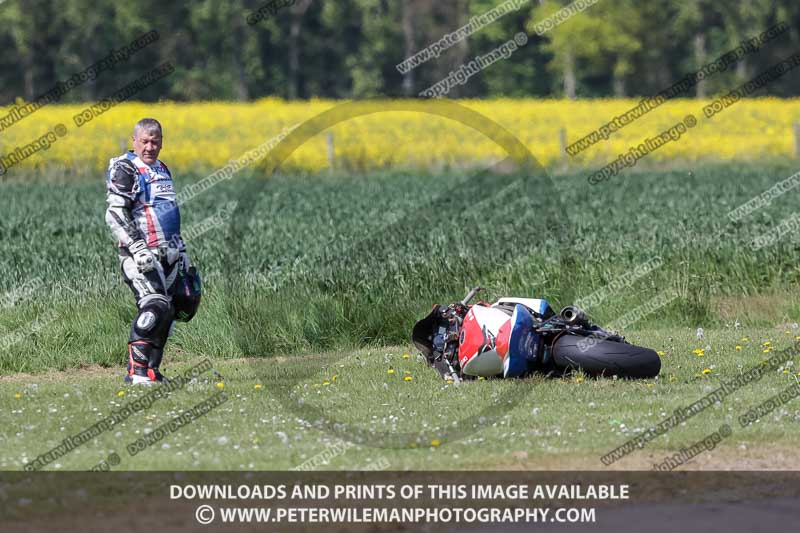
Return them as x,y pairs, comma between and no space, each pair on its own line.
144,217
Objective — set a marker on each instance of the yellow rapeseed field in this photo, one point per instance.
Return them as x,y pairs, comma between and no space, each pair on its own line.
205,136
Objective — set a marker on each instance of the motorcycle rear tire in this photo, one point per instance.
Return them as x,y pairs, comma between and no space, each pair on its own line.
606,358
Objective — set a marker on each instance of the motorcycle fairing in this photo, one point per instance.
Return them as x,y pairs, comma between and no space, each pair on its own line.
522,343
483,341
422,334
535,305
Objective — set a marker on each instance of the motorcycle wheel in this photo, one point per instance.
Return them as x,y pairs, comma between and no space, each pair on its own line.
606,358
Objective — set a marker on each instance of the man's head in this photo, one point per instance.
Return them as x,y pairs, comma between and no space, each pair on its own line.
147,140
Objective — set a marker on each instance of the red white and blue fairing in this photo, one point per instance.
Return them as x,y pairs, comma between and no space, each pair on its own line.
492,343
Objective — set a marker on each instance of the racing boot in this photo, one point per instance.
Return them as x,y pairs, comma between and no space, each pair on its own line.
144,360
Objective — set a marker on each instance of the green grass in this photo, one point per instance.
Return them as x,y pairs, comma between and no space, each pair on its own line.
319,263
418,424
324,275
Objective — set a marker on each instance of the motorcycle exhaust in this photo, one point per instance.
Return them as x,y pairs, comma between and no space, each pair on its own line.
471,294
574,316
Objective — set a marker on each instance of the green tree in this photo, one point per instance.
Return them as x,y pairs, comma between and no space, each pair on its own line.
600,39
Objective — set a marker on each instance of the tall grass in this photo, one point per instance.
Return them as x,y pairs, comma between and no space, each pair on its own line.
321,262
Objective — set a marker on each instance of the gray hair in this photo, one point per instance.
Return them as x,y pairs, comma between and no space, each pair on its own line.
149,125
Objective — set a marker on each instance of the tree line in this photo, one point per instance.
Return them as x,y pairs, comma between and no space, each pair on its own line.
300,49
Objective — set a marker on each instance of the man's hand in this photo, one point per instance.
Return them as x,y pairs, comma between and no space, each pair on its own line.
175,249
142,256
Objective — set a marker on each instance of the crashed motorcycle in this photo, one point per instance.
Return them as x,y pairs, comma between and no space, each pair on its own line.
517,337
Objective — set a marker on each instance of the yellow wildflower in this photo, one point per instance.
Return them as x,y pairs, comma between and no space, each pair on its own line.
734,136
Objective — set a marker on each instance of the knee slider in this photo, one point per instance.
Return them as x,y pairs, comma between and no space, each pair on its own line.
153,321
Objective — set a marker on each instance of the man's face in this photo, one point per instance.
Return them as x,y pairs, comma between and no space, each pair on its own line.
147,146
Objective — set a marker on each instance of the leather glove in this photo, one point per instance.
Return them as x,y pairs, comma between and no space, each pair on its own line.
174,250
142,256
186,264
176,254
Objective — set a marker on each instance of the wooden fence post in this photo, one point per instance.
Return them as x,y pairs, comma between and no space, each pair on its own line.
331,151
563,142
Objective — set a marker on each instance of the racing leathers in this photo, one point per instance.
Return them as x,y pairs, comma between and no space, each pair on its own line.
144,217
